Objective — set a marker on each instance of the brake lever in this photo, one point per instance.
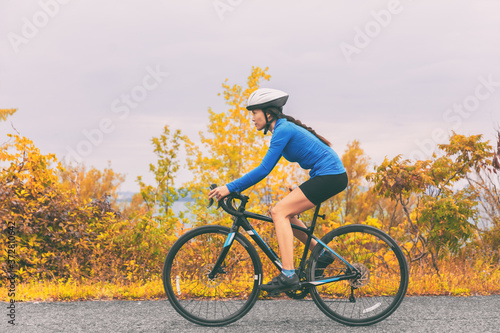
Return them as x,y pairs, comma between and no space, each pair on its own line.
211,202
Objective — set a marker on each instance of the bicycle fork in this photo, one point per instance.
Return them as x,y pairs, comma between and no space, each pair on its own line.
222,256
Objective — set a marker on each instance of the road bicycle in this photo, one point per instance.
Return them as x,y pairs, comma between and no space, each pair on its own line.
212,274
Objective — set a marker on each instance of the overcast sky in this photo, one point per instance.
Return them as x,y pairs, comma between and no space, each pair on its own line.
96,80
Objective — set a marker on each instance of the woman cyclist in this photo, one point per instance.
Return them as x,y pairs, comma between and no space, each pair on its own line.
296,143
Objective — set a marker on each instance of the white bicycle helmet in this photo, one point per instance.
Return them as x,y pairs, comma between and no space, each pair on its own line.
270,101
265,98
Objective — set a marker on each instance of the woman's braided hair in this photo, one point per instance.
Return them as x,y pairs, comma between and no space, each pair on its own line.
277,114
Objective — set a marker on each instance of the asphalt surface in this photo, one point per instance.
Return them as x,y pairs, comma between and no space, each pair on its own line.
416,314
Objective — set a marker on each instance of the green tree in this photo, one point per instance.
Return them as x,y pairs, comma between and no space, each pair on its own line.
439,215
160,197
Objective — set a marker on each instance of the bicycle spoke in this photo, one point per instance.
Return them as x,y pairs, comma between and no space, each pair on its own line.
381,285
211,301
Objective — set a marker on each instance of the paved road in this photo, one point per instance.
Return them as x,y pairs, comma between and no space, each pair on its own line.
416,314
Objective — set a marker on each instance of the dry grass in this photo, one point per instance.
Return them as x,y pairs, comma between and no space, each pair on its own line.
86,290
456,279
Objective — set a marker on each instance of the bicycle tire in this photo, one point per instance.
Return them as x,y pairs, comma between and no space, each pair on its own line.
222,300
380,290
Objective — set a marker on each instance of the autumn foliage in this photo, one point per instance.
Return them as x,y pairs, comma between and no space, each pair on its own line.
69,225
63,230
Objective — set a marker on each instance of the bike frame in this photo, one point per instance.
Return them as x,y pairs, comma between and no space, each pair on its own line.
241,220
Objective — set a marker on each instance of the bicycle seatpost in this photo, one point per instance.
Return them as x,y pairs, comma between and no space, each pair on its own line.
315,217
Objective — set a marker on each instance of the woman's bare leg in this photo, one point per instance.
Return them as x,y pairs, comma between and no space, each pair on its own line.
294,203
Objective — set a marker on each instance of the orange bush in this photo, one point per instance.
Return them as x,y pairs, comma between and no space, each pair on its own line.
56,234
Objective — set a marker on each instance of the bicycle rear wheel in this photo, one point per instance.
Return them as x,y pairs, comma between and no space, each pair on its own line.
383,282
211,302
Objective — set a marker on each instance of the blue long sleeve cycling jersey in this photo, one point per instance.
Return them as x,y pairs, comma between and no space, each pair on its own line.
295,144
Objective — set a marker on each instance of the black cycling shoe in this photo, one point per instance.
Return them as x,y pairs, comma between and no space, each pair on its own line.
281,283
325,259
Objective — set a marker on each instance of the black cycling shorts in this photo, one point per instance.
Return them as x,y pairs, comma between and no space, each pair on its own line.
322,188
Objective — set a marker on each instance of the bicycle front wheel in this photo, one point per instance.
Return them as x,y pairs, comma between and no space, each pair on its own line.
379,289
218,301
